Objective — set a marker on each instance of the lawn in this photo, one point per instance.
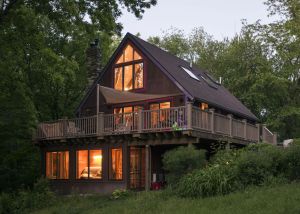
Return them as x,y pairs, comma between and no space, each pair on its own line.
281,199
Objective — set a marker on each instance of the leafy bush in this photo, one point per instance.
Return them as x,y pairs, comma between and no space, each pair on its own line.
119,193
22,201
291,162
182,160
212,180
257,163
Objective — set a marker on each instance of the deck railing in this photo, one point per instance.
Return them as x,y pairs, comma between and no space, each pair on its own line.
171,119
268,136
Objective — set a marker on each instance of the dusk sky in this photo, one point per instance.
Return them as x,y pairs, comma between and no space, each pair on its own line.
219,18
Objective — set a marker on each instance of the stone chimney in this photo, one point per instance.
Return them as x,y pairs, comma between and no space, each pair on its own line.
93,61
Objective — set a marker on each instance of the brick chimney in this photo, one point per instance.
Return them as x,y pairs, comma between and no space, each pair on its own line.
93,61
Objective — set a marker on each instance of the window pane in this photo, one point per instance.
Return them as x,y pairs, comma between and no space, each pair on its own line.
121,59
63,165
164,114
116,169
57,165
154,114
118,79
165,105
137,56
51,165
82,164
95,164
138,76
128,53
128,117
128,78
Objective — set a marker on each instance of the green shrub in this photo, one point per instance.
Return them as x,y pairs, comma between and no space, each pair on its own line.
119,193
291,162
212,180
24,200
257,163
180,161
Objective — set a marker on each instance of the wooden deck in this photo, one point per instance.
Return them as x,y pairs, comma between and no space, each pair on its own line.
177,119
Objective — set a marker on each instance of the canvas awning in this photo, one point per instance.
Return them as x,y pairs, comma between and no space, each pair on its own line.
113,96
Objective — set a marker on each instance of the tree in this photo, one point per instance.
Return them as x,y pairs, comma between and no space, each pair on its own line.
43,71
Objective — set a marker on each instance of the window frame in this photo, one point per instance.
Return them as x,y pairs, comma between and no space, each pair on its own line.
88,164
110,163
133,64
57,163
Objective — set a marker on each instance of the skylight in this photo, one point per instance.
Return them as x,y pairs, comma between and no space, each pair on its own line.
190,73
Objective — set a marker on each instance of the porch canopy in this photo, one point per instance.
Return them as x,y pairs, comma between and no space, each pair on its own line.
113,96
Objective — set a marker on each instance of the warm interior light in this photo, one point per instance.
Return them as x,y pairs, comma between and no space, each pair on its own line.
97,157
126,89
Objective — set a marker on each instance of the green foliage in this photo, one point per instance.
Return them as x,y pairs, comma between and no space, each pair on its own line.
233,170
180,161
24,200
43,71
119,194
212,180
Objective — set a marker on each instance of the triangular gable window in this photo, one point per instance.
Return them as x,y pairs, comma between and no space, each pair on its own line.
129,70
128,54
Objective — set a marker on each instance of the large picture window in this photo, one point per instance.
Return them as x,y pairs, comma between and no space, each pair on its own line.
129,70
116,164
158,117
57,165
89,164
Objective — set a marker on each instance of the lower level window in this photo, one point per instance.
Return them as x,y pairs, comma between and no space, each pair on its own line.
57,165
89,164
116,165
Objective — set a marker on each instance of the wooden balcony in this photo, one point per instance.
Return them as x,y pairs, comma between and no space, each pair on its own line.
176,119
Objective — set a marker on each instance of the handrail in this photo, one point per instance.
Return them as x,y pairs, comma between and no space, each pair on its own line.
170,119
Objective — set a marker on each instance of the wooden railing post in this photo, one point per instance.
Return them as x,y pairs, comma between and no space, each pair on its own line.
212,120
230,124
275,138
189,108
140,121
245,128
65,127
258,132
100,124
264,126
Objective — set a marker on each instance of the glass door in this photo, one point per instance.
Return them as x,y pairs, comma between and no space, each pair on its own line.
137,167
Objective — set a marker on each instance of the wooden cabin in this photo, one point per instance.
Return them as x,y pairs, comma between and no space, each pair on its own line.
144,102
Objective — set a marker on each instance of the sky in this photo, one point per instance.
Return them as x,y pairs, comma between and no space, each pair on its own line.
219,18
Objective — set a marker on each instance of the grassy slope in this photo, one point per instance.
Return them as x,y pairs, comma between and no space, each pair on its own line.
282,199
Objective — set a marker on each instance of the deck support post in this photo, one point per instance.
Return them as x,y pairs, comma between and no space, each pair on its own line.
189,108
147,167
258,132
230,124
245,128
212,120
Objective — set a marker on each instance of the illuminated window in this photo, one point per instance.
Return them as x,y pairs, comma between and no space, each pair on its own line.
116,166
124,117
57,165
128,80
89,164
118,79
129,70
159,116
204,106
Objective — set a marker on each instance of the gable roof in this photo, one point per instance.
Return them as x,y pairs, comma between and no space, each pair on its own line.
204,89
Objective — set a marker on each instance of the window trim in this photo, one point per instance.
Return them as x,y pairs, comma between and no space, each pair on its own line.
110,162
57,151
88,165
132,63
